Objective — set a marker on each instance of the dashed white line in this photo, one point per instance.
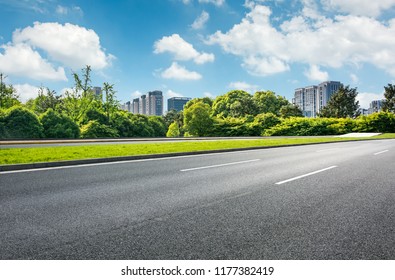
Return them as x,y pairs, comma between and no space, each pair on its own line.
219,165
305,175
378,153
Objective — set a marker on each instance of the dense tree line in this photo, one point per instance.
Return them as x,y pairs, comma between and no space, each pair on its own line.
79,113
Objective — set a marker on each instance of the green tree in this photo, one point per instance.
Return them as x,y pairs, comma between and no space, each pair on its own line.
389,101
236,103
342,104
206,100
94,129
174,130
45,100
172,116
22,123
111,103
8,94
290,110
269,102
81,98
262,122
158,126
197,119
58,126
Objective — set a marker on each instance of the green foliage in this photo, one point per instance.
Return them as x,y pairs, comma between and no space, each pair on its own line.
2,125
94,114
197,119
111,103
21,123
141,126
58,126
44,101
174,130
206,100
236,103
94,129
290,110
342,104
296,126
389,101
376,122
8,95
158,125
231,127
262,122
269,102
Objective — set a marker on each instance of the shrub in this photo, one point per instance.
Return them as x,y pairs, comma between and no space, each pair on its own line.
376,122
174,130
21,123
296,126
58,126
94,129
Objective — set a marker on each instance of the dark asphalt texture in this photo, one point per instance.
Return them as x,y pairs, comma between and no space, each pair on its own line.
149,209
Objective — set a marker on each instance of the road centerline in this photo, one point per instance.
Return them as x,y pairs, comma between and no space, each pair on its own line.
306,175
378,153
219,165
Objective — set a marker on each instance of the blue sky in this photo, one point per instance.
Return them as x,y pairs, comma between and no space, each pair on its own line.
197,48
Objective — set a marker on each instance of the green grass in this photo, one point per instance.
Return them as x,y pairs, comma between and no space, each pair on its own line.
49,154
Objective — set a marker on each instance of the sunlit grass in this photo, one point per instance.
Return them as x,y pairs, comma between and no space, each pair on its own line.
49,154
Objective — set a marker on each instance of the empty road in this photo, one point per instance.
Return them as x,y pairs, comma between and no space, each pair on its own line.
327,201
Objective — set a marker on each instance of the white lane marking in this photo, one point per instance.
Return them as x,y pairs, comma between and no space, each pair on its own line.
218,165
380,152
119,162
305,175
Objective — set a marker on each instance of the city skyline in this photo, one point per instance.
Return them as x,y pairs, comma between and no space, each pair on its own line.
198,48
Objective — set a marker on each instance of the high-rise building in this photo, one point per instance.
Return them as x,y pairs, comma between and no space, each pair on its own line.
126,107
325,91
143,105
375,106
98,92
312,99
177,103
154,103
135,106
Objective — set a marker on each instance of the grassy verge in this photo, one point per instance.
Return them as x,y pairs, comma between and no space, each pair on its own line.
49,154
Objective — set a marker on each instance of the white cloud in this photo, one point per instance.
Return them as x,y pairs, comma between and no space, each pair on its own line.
215,2
26,91
360,7
315,74
208,94
61,10
69,44
181,49
308,39
136,94
243,86
171,94
365,98
354,78
201,20
178,72
21,60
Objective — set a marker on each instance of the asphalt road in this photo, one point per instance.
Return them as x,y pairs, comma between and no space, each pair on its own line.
327,201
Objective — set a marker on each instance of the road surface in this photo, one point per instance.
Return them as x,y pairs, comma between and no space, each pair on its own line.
327,201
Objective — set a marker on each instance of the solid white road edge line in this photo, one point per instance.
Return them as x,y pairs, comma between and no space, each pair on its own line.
118,162
380,152
305,175
219,165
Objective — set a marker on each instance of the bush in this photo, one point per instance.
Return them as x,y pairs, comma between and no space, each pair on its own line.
174,130
377,122
296,126
58,126
262,122
21,123
94,129
158,125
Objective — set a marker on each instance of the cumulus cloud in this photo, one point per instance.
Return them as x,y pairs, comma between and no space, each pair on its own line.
366,98
26,91
178,72
315,74
308,39
360,7
200,21
69,44
181,49
244,86
21,60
